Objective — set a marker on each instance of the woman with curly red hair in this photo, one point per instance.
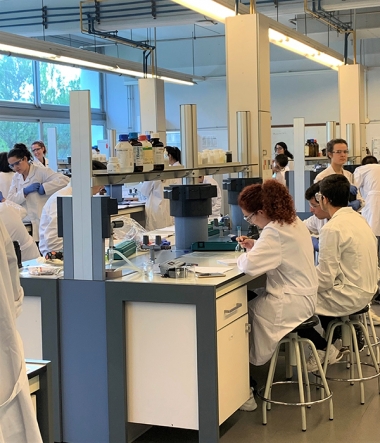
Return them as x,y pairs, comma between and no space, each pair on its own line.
284,252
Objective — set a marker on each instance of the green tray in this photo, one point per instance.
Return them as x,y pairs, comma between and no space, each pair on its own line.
213,246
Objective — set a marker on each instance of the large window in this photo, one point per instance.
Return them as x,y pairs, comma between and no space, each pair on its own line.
12,132
16,80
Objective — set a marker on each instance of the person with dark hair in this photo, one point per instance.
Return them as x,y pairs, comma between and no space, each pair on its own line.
282,148
279,167
6,175
285,254
347,268
18,422
337,152
369,160
174,155
50,243
39,152
32,185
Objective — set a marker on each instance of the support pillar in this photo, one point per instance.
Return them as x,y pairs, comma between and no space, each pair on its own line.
352,109
248,86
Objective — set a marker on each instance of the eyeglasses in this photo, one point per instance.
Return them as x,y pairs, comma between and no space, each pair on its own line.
318,196
12,166
340,152
312,205
247,218
36,149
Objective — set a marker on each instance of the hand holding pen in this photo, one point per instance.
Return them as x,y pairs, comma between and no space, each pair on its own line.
246,242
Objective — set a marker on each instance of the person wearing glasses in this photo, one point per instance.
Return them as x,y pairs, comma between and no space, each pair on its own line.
32,185
337,152
282,148
39,152
347,268
284,253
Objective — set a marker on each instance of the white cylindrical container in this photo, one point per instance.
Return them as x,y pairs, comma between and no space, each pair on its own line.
124,152
113,165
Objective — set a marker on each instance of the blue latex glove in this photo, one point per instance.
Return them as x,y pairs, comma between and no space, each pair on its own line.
353,189
315,241
41,190
1,196
355,205
34,187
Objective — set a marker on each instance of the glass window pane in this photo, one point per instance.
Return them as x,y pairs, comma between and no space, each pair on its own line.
16,80
57,81
17,132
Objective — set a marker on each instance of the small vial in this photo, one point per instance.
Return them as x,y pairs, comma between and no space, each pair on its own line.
238,248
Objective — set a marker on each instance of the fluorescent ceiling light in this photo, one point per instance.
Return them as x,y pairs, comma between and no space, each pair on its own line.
18,46
294,45
218,10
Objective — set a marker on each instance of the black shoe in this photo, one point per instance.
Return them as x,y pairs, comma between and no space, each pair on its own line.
360,339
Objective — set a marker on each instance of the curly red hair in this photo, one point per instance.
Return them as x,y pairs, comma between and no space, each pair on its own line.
271,197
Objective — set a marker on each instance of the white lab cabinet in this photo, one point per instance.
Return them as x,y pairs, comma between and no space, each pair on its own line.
161,356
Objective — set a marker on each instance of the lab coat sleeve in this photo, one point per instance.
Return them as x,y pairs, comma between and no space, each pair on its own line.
53,181
311,225
16,193
217,203
146,189
264,256
49,240
20,210
328,267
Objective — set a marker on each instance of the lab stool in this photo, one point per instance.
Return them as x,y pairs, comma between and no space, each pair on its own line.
368,321
348,323
297,359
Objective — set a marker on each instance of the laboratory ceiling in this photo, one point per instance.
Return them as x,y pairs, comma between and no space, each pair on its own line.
60,20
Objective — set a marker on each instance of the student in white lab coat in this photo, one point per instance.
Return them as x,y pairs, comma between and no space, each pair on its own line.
337,152
319,218
157,208
216,201
174,155
18,422
284,253
39,152
12,214
347,269
6,174
279,168
32,185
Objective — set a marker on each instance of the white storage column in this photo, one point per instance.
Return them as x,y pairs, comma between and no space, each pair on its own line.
299,164
248,86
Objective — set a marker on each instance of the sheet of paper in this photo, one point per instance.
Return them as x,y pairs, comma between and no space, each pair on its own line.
228,261
212,269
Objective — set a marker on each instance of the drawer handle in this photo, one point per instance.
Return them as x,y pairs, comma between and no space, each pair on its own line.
235,308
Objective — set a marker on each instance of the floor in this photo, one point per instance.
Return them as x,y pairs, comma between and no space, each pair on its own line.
352,422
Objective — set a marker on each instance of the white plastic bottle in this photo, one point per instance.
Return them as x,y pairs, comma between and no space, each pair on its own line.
124,152
113,165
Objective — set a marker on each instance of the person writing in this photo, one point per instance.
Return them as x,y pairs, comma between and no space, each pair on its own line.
347,268
284,253
337,152
32,185
39,152
18,421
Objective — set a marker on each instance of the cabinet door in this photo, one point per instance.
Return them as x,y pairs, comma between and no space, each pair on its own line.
233,367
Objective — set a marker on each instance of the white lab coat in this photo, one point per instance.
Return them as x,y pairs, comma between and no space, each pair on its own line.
367,179
34,202
347,269
18,422
280,176
38,163
5,182
157,208
314,224
285,254
216,201
12,214
49,240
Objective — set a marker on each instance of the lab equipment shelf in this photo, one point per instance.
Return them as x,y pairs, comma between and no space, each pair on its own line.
101,177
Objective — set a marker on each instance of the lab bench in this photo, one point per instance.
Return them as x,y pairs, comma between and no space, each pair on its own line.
135,211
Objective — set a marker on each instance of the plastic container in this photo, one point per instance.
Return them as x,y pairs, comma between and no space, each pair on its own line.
113,165
158,152
138,153
228,156
124,152
147,152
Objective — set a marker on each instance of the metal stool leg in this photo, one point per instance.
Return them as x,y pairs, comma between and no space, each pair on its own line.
305,373
268,386
358,364
300,382
374,336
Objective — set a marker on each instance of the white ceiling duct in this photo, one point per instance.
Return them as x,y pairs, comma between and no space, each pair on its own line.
335,5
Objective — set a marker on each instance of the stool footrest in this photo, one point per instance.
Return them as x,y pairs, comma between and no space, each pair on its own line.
369,377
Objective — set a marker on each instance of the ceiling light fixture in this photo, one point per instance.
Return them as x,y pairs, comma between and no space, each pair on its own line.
218,10
308,51
19,46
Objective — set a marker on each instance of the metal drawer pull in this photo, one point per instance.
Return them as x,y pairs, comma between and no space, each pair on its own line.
230,311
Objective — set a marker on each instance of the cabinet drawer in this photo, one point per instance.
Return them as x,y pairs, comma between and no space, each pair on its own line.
231,306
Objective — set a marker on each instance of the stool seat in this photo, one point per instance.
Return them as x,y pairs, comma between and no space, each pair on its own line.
362,311
307,324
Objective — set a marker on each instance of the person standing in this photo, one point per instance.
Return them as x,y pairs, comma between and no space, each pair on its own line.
32,185
18,423
282,148
39,152
216,201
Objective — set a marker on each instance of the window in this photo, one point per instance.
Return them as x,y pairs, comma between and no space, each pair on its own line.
12,132
16,80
